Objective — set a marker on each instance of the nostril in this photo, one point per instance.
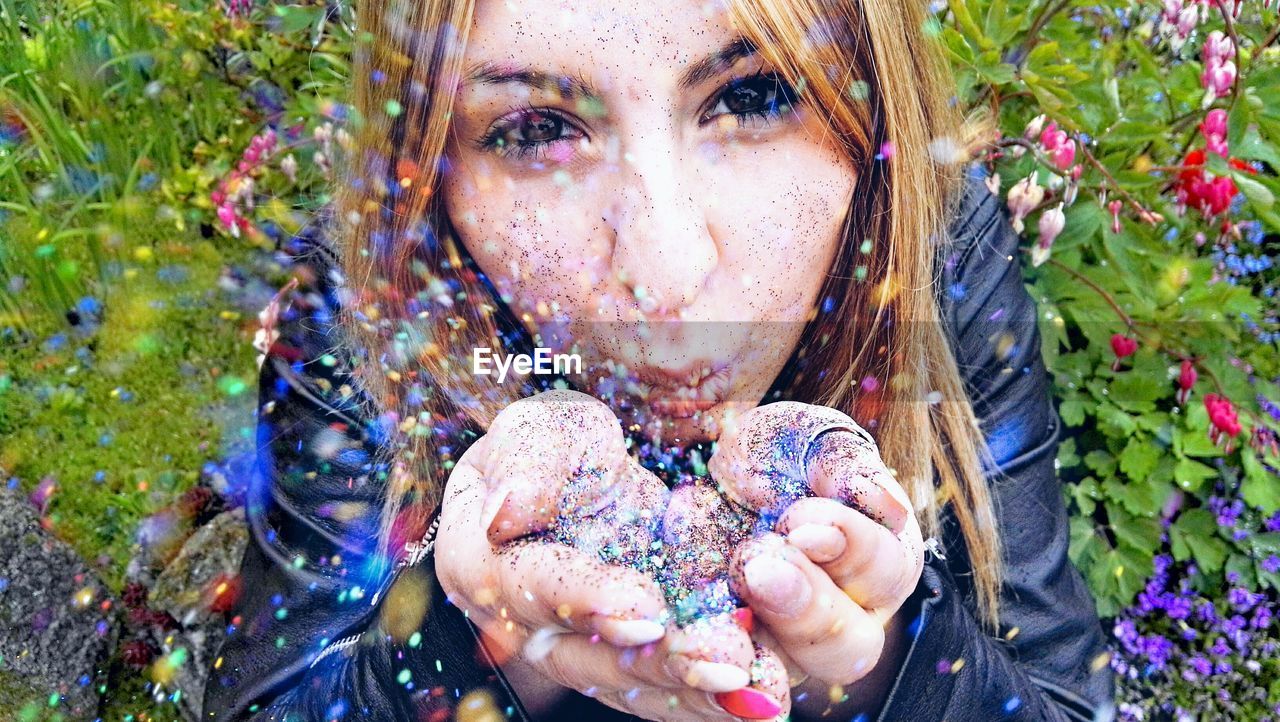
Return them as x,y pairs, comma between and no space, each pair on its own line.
646,300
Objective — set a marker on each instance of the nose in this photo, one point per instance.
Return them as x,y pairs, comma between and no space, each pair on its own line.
663,250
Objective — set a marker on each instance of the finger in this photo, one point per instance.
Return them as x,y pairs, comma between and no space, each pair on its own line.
667,705
845,466
764,638
587,663
464,563
769,695
760,455
823,630
635,676
711,653
504,639
556,453
872,565
541,584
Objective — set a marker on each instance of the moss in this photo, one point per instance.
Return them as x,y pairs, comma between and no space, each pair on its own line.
132,426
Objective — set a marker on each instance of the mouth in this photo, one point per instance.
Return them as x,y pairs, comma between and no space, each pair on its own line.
683,393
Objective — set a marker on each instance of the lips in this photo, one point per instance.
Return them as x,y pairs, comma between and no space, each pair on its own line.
683,393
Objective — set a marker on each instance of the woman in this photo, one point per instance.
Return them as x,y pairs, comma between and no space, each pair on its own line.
712,206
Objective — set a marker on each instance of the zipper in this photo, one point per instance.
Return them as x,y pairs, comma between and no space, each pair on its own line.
414,553
934,547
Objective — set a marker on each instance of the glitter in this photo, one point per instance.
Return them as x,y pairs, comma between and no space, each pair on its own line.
404,676
394,109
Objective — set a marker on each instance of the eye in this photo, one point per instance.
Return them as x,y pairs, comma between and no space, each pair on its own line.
529,132
760,96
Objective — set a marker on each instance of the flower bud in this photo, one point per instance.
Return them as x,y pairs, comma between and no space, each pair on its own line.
1023,197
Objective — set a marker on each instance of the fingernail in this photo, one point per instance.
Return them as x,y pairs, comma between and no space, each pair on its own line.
749,703
716,677
489,512
630,632
820,542
777,585
894,514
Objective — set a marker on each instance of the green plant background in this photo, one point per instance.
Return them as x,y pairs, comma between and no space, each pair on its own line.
124,116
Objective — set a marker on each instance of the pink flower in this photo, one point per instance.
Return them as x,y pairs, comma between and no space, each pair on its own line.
1214,125
1186,380
1024,196
1218,47
1052,221
1034,128
1115,207
1223,422
1058,146
1122,346
1218,79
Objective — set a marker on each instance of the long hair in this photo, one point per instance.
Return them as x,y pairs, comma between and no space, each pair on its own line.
417,305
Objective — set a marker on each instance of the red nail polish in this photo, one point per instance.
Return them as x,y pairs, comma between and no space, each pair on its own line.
745,619
749,703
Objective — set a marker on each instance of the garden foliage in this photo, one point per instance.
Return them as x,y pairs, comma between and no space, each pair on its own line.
149,149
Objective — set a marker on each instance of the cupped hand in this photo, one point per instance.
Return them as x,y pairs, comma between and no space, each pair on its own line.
846,550
541,522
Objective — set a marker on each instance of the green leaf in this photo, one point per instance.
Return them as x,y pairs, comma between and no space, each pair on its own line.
1139,458
1253,147
1114,421
1085,495
1258,194
1243,568
1190,475
1101,462
1072,411
1141,534
1265,544
1195,534
1197,443
1260,488
1141,498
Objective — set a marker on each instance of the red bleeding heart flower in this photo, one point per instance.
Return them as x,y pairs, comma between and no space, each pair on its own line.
1224,425
1123,346
1186,379
1197,188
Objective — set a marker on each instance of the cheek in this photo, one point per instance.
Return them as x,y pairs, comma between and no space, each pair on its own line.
778,214
534,239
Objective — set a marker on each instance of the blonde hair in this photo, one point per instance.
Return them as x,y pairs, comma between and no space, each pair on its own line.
872,70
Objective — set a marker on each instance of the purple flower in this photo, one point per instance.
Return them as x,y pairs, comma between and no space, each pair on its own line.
1273,524
1157,649
1261,617
1240,598
1271,564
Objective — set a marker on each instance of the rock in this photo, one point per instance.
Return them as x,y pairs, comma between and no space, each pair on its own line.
191,589
54,634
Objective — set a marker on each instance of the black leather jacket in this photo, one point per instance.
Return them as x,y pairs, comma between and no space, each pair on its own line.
308,639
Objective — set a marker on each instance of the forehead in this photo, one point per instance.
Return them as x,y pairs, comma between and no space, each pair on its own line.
607,41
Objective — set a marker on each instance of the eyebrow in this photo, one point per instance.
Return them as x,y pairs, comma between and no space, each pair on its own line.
576,86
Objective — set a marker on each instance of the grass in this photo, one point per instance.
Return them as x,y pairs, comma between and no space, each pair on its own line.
124,367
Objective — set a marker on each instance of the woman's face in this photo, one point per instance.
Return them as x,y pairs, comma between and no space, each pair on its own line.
640,189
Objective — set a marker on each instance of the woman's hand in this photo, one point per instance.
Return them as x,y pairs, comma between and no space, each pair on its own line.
847,550
599,628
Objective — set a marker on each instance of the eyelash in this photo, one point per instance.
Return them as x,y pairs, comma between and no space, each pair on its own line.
492,140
